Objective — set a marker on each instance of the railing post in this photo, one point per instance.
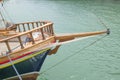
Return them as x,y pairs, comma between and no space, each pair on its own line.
33,25
28,26
19,27
43,37
52,32
24,27
37,24
40,23
33,42
21,44
8,47
47,29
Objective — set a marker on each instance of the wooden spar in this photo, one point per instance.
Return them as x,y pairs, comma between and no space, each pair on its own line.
67,37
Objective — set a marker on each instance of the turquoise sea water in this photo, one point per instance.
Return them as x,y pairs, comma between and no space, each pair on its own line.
99,61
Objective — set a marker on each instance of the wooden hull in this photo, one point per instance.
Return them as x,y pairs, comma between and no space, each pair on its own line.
28,76
28,58
28,66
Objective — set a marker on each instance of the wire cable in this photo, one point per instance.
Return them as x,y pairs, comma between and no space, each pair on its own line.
74,54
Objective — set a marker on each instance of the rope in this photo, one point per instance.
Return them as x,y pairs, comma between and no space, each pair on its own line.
7,14
104,25
101,21
2,18
20,78
91,11
74,54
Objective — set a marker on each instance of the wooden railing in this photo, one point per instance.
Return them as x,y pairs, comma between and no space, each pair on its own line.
42,27
22,27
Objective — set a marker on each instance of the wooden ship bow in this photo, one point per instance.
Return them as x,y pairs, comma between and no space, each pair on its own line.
29,45
24,47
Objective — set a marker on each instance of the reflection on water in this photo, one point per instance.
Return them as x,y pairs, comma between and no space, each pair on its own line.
100,61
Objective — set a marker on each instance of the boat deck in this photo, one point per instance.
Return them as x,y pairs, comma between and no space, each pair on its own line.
28,37
33,37
3,48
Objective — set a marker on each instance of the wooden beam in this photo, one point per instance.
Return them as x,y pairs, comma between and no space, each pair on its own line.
41,30
8,46
28,26
21,44
66,37
24,27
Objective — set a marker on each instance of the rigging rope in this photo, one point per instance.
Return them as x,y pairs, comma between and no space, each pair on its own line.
82,48
101,21
5,13
74,54
2,18
20,78
91,11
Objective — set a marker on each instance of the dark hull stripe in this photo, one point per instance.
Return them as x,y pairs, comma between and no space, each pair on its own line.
33,64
